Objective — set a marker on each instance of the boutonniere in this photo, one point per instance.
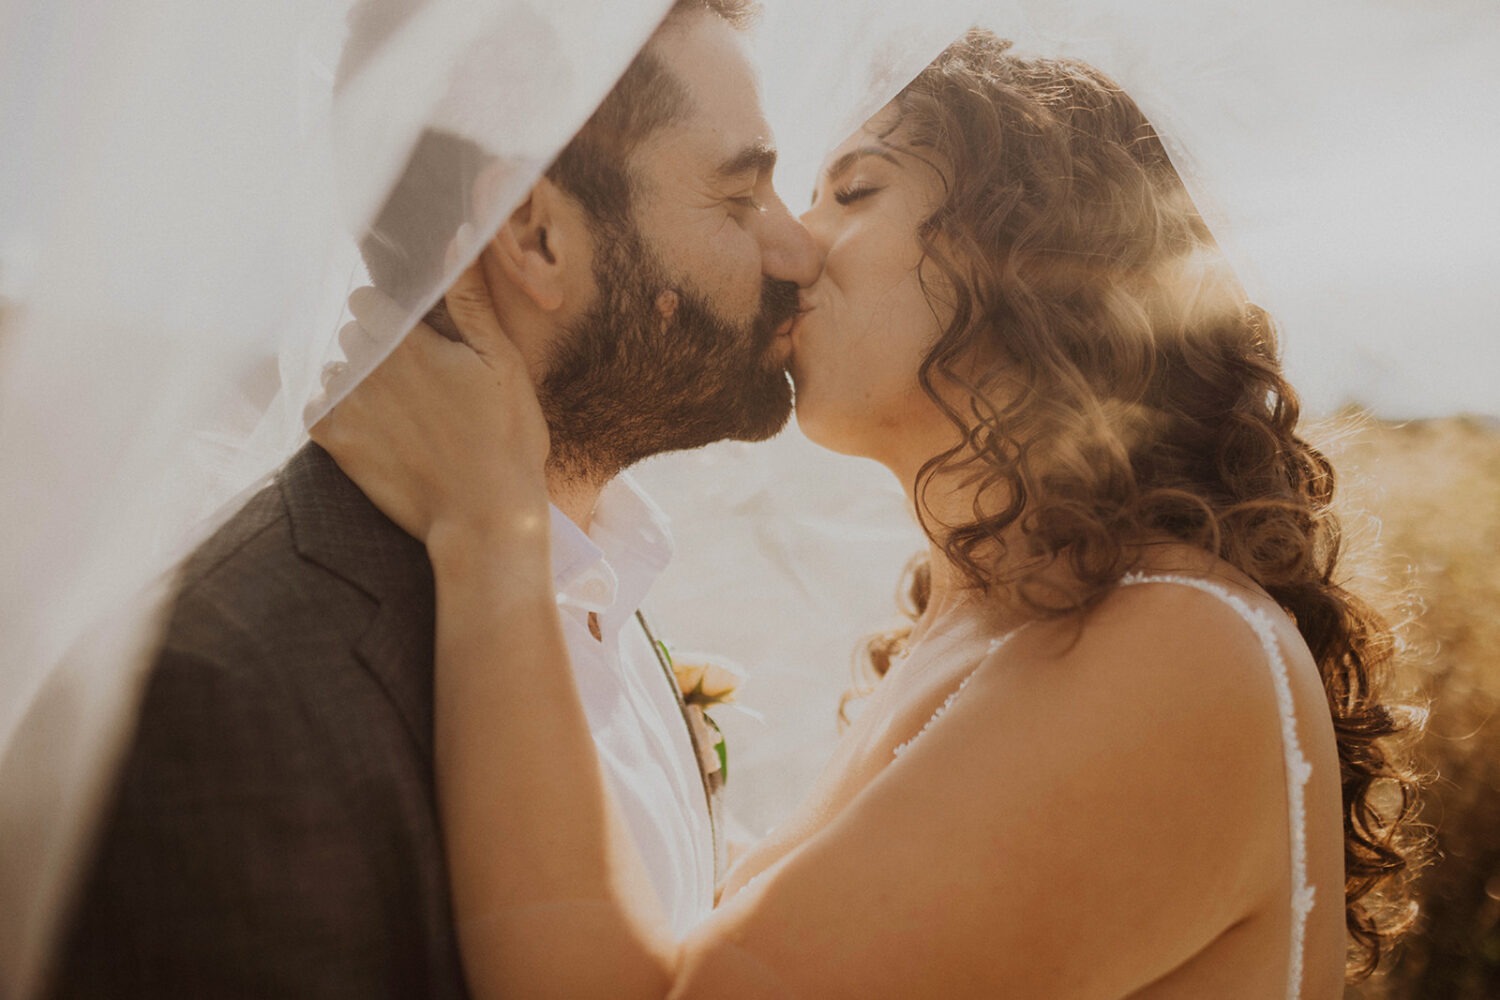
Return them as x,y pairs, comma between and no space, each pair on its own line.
705,684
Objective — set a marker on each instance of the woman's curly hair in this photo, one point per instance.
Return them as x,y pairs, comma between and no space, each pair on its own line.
1142,399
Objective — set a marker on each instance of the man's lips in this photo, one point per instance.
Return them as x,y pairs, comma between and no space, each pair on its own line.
785,328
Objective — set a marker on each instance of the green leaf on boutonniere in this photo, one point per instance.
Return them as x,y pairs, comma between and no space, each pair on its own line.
704,682
721,746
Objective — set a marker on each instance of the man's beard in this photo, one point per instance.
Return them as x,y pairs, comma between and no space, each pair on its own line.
627,383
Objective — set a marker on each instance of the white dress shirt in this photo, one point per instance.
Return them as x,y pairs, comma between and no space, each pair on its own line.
643,742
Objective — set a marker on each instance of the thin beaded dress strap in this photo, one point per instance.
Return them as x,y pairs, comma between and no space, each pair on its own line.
994,647
1298,770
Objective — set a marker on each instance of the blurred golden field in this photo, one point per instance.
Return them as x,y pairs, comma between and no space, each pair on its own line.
1433,488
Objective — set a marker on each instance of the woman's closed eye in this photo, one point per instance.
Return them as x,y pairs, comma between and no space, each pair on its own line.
854,192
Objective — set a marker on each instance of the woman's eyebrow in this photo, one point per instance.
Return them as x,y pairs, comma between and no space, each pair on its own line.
849,159
852,157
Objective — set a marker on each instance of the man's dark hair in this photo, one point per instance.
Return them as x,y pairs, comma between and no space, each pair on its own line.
593,167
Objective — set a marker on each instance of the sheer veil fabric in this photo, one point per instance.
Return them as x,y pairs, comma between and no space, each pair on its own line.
184,189
196,180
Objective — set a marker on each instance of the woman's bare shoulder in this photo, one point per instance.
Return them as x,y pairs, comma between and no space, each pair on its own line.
1160,638
1164,689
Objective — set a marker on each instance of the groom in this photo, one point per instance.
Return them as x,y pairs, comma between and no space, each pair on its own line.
274,833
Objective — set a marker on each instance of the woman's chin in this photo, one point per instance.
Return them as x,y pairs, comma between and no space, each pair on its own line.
829,434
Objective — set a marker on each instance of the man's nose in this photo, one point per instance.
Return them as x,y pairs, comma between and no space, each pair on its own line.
818,234
789,253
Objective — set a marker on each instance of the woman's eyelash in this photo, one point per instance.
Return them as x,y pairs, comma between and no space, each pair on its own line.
849,195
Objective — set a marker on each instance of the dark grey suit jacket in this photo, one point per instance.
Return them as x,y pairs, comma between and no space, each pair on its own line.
274,832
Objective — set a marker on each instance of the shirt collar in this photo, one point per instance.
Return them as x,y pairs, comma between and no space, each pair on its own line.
611,567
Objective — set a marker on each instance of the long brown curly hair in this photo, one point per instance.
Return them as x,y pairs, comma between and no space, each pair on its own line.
1143,399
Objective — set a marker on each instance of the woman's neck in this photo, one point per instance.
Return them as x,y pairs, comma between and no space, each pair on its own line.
942,503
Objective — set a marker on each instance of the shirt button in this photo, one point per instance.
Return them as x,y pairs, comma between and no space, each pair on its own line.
596,592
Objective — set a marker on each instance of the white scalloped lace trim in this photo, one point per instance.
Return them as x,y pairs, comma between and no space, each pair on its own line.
995,645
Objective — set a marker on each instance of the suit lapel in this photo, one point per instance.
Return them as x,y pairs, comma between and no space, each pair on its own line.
337,527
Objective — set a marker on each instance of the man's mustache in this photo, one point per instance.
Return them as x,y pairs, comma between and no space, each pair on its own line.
779,302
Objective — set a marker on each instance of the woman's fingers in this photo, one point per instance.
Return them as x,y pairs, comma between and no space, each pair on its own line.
379,320
326,431
354,339
473,311
377,312
335,379
440,430
425,365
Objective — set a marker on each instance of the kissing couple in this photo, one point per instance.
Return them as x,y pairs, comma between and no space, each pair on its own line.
408,736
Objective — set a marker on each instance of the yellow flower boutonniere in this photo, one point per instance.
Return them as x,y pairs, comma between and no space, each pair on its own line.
705,683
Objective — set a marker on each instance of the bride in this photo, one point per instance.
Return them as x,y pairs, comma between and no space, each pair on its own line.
1132,744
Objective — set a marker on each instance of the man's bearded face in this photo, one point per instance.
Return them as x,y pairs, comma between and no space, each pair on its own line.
629,382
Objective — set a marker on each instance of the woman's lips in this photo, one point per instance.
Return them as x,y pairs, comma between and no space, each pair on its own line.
786,332
785,341
789,327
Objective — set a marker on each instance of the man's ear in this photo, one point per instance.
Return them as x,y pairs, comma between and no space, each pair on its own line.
542,244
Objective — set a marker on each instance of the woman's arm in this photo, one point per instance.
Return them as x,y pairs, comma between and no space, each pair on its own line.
995,858
551,895
1066,831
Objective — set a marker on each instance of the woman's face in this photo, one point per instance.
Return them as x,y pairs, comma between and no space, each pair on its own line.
869,324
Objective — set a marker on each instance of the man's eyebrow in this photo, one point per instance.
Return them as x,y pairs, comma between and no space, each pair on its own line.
759,157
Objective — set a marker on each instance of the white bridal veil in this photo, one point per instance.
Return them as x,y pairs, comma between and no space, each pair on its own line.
185,187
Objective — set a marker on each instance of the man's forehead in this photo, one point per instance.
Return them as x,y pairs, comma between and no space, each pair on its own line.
722,125
722,145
